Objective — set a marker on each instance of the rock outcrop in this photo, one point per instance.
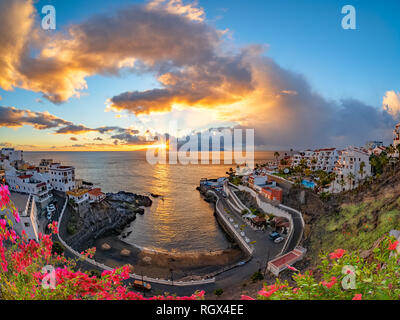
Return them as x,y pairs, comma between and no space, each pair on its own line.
110,217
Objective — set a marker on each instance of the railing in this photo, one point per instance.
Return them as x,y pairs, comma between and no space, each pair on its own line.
132,275
279,211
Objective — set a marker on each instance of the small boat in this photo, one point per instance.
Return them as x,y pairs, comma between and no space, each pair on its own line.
141,285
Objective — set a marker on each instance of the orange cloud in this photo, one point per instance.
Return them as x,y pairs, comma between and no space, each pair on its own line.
391,103
138,37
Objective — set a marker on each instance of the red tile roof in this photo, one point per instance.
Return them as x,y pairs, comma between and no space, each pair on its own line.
25,176
96,192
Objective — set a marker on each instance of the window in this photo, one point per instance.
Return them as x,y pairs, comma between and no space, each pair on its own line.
26,224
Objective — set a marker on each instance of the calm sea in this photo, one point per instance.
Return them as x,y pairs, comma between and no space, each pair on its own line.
182,221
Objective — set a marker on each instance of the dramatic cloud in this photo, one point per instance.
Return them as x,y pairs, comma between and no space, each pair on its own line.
5,144
190,60
139,37
13,117
219,81
130,138
391,103
190,10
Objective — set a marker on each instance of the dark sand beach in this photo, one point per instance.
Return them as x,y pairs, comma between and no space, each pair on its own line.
159,264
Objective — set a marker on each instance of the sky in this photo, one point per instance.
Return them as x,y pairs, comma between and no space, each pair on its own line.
112,74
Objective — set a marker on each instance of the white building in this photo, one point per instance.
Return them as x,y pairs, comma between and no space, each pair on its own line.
396,133
320,159
80,198
373,144
349,169
12,154
62,178
29,184
28,215
96,195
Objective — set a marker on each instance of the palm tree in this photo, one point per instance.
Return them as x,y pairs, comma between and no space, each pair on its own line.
276,155
362,171
351,177
398,150
342,183
391,150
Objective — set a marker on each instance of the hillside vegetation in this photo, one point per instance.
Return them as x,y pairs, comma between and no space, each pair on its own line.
354,220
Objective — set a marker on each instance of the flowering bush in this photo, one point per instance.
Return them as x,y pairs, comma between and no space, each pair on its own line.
344,276
29,269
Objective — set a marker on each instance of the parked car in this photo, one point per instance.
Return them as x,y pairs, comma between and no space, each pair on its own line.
273,236
278,240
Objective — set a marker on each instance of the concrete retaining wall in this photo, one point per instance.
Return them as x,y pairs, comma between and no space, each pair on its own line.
267,208
249,249
132,275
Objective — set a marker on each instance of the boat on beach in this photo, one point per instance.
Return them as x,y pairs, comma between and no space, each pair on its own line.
141,285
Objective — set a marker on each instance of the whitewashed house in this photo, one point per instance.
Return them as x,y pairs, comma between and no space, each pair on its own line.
62,178
352,167
29,184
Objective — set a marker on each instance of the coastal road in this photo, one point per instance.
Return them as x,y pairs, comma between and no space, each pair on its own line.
265,250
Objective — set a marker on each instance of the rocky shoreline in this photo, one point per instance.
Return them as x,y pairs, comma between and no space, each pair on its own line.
110,217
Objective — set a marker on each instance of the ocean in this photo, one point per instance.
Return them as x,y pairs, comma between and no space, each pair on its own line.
179,221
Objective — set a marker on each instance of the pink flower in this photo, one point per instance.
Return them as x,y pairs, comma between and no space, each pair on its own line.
3,224
337,254
243,297
292,268
393,246
16,216
358,296
329,284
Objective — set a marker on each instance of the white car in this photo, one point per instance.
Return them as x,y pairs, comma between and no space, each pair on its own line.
51,207
278,240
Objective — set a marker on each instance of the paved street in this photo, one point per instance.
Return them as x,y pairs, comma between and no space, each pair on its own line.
265,250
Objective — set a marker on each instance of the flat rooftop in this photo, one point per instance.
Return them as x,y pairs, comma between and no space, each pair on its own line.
20,200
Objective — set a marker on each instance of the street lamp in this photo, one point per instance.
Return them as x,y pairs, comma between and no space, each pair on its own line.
172,275
266,265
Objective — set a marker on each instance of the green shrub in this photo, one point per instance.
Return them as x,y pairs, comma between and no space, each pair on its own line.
257,276
218,292
57,248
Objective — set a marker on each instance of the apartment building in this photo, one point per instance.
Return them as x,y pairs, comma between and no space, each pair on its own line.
320,159
62,178
29,184
352,167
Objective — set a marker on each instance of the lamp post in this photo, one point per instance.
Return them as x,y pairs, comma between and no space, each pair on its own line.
266,265
172,276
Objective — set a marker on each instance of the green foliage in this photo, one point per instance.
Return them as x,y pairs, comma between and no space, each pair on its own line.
95,273
218,292
356,226
257,276
71,229
378,163
57,248
344,276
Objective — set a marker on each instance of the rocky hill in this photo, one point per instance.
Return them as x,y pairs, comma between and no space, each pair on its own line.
354,220
108,217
